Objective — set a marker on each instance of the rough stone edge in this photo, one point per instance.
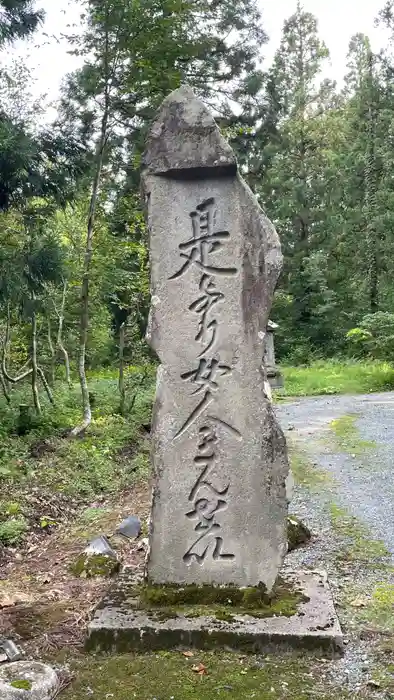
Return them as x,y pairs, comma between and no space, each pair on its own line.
43,688
118,628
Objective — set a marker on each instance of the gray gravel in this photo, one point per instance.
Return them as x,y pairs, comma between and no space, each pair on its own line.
365,483
364,486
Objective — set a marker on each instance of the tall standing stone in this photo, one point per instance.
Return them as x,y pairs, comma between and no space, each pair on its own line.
220,465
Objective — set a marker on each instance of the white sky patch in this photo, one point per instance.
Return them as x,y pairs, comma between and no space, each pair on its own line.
338,21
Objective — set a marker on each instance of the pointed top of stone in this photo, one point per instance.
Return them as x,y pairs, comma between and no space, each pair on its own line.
185,141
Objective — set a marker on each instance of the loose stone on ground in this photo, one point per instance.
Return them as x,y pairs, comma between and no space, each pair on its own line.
27,680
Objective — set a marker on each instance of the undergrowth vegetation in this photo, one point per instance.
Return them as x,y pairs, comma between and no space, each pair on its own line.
44,472
324,377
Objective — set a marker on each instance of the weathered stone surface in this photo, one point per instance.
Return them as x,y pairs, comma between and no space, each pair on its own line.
184,140
219,505
27,680
120,626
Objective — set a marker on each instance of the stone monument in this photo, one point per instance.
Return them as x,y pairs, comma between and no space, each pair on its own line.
219,506
220,464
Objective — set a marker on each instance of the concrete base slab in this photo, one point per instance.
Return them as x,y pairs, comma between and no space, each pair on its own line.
120,625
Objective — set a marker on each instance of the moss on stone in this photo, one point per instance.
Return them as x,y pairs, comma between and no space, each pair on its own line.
224,615
21,684
206,600
91,565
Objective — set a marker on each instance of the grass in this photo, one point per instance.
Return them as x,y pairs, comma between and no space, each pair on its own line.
357,544
45,468
203,676
336,377
347,436
305,472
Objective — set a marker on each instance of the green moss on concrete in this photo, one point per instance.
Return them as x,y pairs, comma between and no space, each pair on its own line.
357,545
21,684
216,601
170,674
225,616
91,565
347,435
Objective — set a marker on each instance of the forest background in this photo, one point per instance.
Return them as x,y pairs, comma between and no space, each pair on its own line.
74,267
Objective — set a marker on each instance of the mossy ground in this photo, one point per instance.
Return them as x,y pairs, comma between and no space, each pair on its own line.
64,474
356,542
347,436
305,472
170,676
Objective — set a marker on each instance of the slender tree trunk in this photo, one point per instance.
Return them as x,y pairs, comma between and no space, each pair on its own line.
46,386
5,388
34,372
8,378
52,351
60,343
84,319
122,390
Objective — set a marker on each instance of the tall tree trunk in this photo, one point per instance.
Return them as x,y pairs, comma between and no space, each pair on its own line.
122,390
84,319
34,373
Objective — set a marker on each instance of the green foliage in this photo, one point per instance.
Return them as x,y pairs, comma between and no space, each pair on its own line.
112,455
337,377
12,530
375,336
18,19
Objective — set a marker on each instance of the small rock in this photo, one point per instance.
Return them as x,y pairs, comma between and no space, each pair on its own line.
297,533
11,651
27,680
130,527
100,545
143,545
98,559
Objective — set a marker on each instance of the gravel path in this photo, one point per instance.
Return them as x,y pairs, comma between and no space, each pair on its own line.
364,483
